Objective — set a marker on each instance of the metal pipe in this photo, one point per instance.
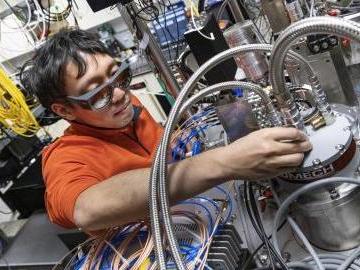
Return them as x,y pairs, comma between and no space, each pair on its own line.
236,11
154,52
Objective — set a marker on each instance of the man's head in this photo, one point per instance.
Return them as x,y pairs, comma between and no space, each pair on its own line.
75,76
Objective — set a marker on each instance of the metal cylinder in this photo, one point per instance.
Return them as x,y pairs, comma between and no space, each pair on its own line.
333,222
254,65
329,217
277,15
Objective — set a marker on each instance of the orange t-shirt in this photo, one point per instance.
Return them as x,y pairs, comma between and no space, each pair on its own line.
86,155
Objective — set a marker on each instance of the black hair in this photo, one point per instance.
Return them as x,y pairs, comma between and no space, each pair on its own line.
44,74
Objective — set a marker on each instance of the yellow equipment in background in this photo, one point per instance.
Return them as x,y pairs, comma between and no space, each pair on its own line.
14,112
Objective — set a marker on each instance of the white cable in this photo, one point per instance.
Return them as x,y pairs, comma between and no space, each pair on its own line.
299,233
197,28
312,8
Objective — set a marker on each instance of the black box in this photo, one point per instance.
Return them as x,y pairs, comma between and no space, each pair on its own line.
26,195
204,49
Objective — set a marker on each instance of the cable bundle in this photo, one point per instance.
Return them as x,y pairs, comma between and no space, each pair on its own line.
132,246
29,25
191,133
149,12
14,112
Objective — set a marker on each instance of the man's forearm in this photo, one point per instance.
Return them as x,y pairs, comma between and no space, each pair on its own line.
124,197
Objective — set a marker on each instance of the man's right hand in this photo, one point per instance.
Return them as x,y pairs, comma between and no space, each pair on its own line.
264,153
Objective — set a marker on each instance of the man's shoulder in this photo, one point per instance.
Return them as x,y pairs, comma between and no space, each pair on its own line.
71,144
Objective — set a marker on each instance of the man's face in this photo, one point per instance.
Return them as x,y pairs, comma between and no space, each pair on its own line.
100,68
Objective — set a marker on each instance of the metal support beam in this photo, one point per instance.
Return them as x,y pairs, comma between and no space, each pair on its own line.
153,50
236,11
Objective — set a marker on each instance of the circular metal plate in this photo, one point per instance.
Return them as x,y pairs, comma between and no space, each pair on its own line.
329,143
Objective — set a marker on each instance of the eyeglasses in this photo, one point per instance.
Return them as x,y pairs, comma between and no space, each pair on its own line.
101,96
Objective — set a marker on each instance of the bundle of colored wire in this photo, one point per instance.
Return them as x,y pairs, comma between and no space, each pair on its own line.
14,112
190,134
132,247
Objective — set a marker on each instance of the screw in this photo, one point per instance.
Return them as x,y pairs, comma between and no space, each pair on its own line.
316,48
334,194
340,147
333,41
324,45
316,162
263,258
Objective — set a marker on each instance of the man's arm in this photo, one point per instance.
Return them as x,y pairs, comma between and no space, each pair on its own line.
123,198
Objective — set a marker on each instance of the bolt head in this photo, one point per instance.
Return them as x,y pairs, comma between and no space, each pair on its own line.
333,41
263,258
316,162
339,147
324,45
316,48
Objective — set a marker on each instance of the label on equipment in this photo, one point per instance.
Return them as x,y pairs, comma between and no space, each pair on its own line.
322,172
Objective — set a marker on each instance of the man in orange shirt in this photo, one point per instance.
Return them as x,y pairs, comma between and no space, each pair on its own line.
97,174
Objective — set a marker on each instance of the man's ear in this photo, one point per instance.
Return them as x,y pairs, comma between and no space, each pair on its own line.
63,110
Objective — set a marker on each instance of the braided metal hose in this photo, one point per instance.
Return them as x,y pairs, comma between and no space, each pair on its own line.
159,170
158,176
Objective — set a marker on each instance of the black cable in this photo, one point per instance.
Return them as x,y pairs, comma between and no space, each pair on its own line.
221,10
167,41
259,222
253,212
177,28
201,5
254,222
252,255
164,30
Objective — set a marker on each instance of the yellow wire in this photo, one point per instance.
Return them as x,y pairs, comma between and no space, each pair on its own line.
14,112
194,8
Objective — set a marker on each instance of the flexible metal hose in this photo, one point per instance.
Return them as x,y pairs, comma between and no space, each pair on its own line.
159,175
154,214
159,169
254,87
316,25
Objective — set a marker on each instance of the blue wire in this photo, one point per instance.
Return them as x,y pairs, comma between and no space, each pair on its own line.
208,200
189,256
